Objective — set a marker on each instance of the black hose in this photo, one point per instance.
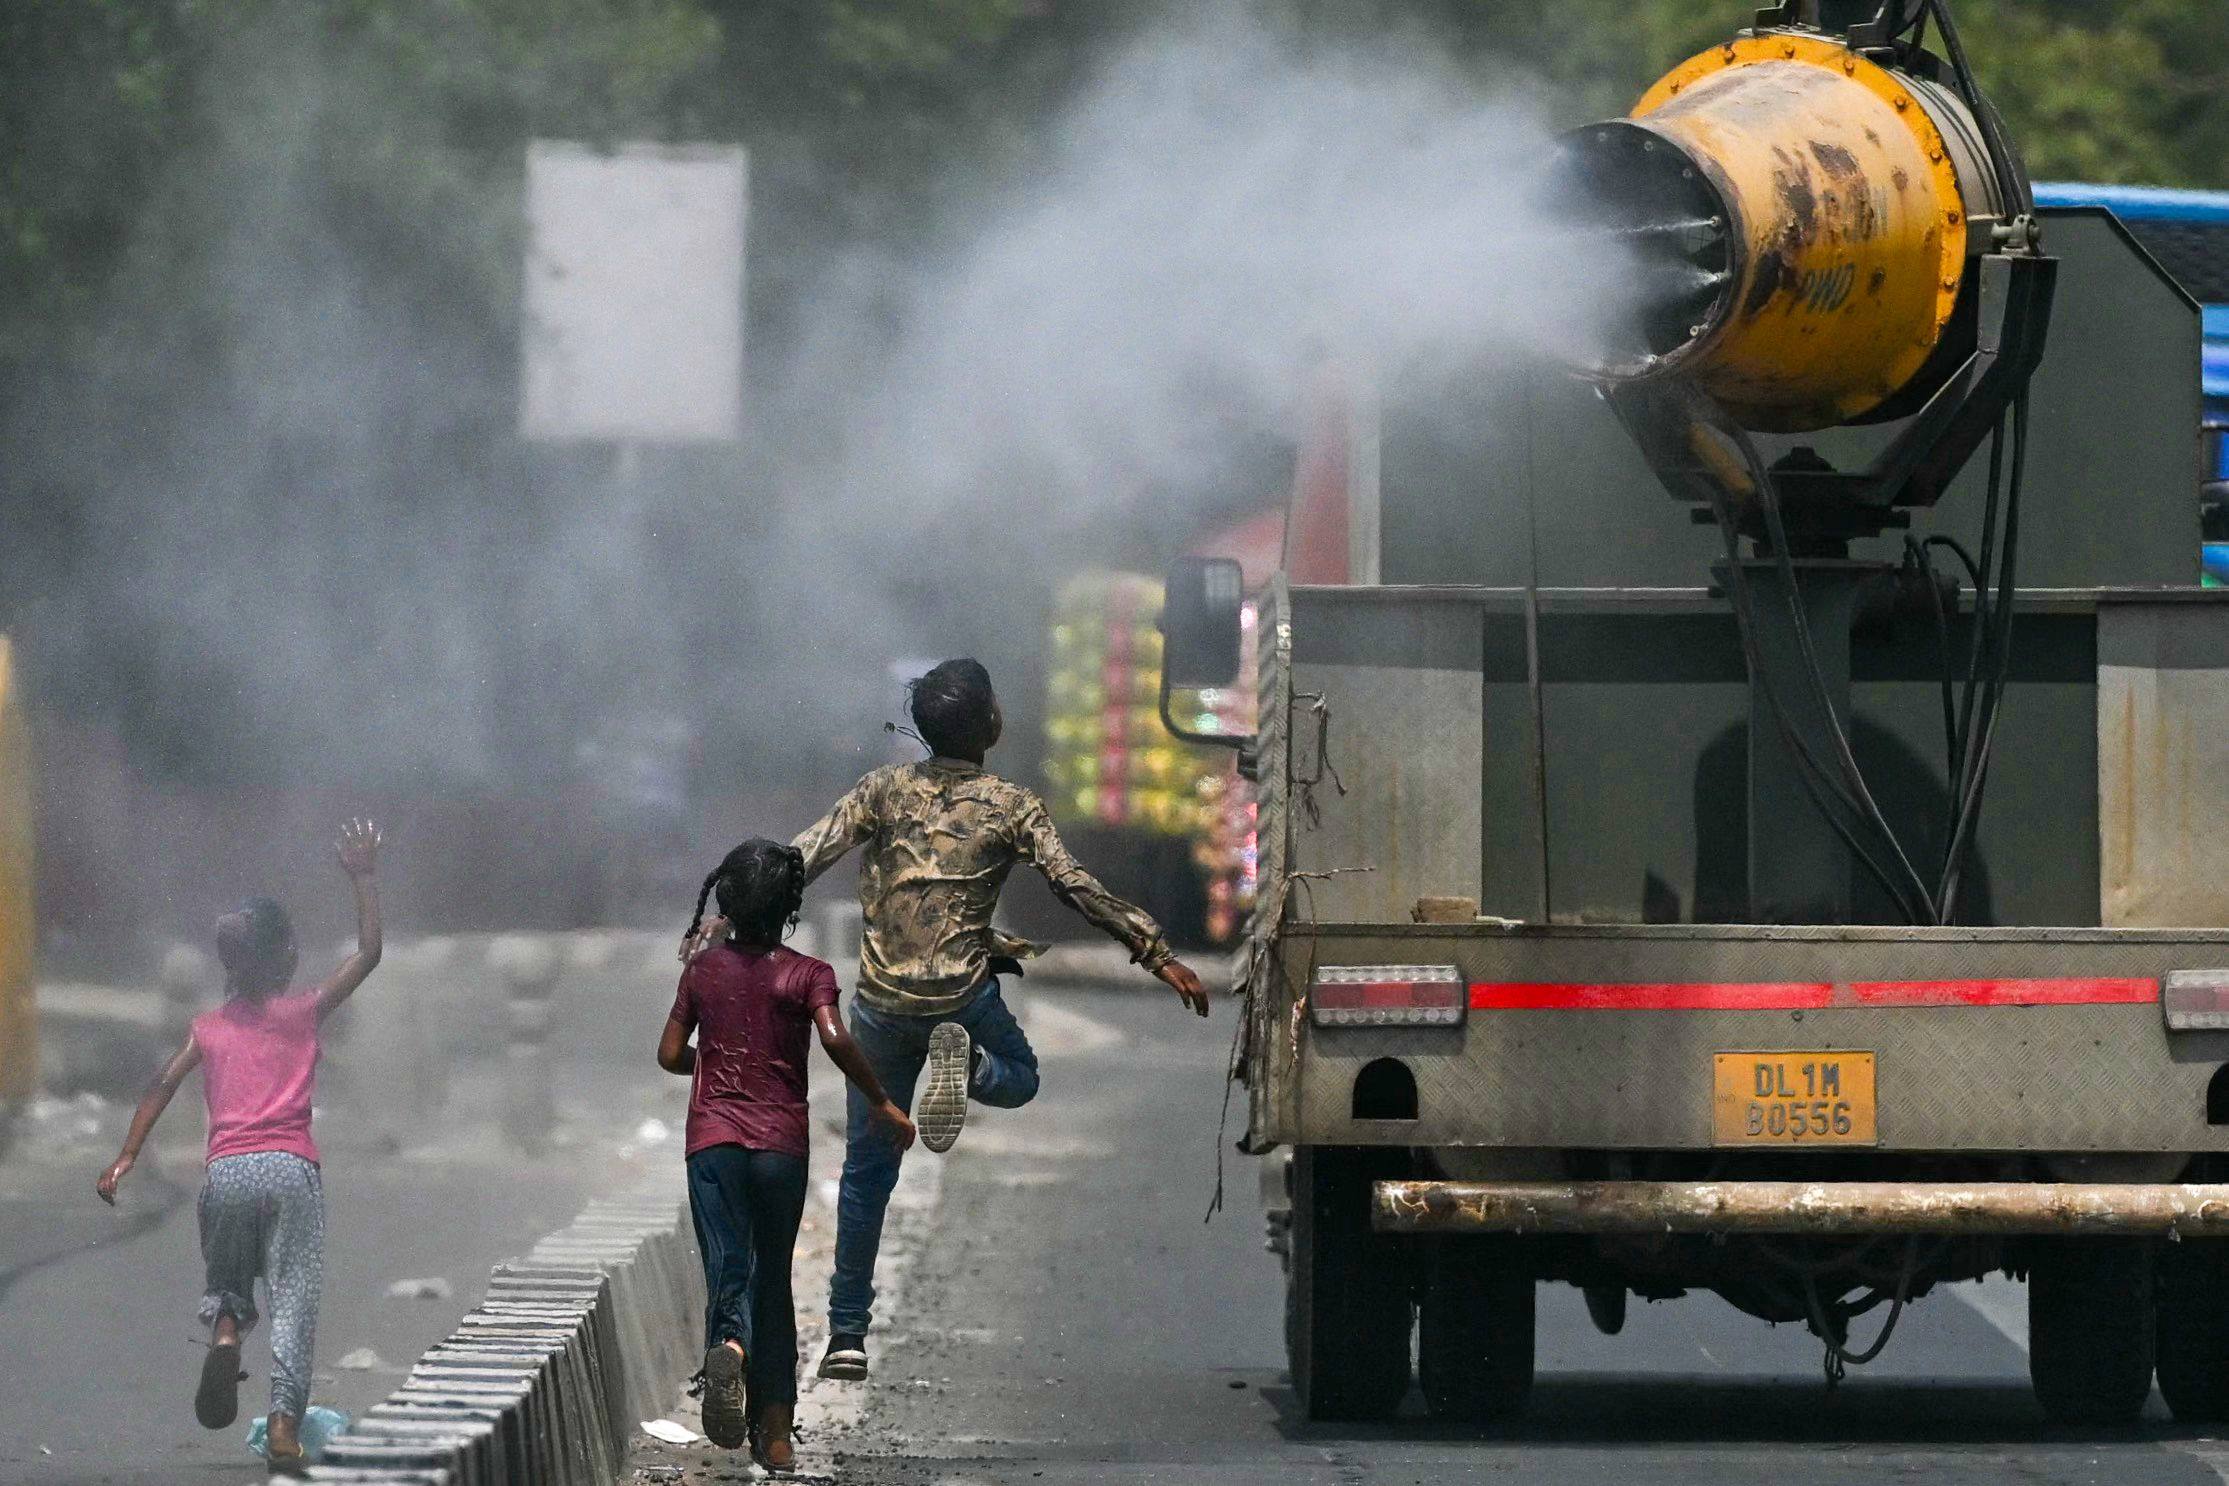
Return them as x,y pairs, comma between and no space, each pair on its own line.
1922,562
2011,187
1816,783
1982,617
1838,1353
1852,775
1776,528
1977,761
1965,558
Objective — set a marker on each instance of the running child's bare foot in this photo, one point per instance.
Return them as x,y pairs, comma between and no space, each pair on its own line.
282,1442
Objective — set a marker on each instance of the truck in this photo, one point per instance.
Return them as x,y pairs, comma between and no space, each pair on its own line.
1745,824
2188,232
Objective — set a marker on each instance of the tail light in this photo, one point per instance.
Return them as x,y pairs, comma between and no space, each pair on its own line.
1388,996
2196,1000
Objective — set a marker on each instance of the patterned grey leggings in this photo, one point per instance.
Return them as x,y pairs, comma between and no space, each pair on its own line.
264,1214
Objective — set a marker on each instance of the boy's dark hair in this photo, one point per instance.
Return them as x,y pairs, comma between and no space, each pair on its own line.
251,943
953,708
761,888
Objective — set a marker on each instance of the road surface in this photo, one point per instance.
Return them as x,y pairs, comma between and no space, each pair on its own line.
1066,1317
99,1350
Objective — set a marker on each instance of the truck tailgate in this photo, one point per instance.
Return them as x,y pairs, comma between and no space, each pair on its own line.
1689,1037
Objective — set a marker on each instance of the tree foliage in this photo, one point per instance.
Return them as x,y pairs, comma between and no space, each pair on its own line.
407,116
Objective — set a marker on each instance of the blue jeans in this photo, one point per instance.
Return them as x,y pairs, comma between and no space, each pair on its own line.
746,1206
897,1046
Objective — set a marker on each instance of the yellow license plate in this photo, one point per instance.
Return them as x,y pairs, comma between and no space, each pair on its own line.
1793,1099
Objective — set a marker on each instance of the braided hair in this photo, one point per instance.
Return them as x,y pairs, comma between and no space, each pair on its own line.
760,887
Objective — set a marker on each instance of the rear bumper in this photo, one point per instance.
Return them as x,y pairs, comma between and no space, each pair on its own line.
2000,1208
1602,1037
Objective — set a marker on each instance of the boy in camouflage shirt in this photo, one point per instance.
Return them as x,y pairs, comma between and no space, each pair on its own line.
941,837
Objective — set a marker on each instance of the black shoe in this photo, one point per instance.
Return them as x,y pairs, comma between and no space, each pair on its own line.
727,1414
216,1403
943,1107
846,1357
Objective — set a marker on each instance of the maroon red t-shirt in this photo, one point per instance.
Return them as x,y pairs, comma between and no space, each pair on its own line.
752,1012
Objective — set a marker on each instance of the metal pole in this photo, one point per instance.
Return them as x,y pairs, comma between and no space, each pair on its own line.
1802,1207
1534,692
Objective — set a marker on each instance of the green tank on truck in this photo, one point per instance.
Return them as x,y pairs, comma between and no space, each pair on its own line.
1838,923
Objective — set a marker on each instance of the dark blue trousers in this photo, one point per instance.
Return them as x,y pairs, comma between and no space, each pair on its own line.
746,1205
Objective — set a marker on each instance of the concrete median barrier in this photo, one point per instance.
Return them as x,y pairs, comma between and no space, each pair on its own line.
543,1382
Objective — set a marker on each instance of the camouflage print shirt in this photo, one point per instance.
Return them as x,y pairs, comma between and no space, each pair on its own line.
941,836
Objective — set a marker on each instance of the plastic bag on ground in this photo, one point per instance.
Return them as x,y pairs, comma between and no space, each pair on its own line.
319,1425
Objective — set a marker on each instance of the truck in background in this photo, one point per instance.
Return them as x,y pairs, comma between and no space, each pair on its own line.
2188,232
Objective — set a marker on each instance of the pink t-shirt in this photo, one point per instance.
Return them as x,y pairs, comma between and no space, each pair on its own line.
258,1070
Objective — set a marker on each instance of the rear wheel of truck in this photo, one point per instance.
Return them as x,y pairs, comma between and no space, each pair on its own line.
1347,1304
2091,1331
1474,1335
2192,1300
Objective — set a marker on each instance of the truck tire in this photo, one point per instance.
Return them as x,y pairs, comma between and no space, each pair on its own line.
1347,1306
2192,1298
1474,1332
2091,1328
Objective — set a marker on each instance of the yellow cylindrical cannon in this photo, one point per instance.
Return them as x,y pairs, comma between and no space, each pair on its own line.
1802,221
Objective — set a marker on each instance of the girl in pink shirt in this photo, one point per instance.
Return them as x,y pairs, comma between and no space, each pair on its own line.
262,1207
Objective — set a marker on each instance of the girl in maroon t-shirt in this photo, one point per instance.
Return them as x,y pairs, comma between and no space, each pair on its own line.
754,1006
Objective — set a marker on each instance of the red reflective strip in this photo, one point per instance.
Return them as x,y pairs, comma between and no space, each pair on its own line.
1807,995
2091,991
1729,996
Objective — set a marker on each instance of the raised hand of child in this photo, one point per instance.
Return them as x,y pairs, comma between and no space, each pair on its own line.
358,848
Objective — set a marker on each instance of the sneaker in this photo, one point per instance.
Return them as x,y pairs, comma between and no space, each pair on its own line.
846,1357
943,1107
771,1447
727,1418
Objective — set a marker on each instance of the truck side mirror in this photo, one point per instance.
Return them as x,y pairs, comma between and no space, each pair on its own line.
1201,640
1200,622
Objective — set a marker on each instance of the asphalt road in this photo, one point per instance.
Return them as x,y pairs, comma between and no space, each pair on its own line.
99,1349
1067,1317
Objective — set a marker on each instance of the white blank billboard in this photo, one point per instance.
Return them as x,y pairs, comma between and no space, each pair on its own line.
633,327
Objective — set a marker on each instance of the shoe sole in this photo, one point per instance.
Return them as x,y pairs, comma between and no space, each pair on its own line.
726,1419
216,1403
845,1367
943,1107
